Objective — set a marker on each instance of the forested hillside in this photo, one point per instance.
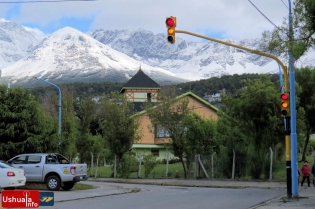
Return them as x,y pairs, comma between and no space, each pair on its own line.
208,86
81,90
230,83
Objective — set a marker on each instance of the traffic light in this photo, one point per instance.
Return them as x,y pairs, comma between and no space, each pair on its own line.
171,24
285,104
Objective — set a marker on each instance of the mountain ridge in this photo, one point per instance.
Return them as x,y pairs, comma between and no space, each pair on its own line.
116,55
69,55
194,60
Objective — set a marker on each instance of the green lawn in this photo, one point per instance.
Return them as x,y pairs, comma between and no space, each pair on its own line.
160,171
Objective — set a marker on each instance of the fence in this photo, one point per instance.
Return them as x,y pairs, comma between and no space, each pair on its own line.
214,166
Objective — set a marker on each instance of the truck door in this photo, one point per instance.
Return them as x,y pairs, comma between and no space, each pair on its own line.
33,168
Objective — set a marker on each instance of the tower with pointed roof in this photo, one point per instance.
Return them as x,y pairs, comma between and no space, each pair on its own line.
140,89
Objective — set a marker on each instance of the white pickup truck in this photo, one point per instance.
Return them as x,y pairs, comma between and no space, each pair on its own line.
52,169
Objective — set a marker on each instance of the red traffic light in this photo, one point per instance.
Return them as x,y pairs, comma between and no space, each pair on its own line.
170,22
284,96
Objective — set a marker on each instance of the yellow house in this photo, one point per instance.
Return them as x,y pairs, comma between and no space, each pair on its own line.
140,89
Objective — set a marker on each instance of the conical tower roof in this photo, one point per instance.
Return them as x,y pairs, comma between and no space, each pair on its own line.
140,80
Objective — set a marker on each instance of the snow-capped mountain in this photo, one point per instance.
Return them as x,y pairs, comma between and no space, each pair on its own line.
193,61
15,43
103,55
69,55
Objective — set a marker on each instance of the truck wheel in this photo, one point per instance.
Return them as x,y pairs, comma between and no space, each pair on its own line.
53,183
67,186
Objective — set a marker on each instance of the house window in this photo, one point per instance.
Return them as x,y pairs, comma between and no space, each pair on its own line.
155,152
149,97
161,132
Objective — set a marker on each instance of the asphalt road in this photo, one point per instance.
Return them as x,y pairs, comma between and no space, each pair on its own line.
151,196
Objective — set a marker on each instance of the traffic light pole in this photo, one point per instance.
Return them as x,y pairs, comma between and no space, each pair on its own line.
294,157
286,89
288,156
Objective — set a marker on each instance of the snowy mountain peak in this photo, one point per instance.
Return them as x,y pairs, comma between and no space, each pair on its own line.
15,43
69,55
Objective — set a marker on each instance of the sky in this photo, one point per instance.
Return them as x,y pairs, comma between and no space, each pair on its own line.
220,19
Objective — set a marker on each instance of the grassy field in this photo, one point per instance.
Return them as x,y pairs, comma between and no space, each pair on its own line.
160,171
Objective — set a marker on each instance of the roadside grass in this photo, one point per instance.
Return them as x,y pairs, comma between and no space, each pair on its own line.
37,186
158,172
176,171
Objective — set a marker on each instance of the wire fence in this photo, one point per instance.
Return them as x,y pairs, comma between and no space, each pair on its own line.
213,166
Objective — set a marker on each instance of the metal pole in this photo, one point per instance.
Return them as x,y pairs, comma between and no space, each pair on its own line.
271,159
139,169
294,160
167,157
59,103
212,165
115,167
233,166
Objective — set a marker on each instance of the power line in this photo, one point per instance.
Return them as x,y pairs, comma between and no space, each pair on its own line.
285,4
39,1
263,14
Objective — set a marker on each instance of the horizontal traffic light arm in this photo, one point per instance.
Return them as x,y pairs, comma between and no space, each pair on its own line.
284,68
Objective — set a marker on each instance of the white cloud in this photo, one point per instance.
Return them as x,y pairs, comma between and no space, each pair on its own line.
38,34
4,20
232,18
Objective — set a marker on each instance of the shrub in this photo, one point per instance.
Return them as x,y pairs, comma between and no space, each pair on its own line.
177,174
171,161
127,165
150,162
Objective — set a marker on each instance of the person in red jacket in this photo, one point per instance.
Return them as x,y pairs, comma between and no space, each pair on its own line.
306,172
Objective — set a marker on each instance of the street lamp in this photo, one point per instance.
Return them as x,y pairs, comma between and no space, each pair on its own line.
59,104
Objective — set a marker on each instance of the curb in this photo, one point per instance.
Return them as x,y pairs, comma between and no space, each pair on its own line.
182,184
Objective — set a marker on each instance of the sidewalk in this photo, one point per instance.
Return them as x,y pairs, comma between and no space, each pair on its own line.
306,199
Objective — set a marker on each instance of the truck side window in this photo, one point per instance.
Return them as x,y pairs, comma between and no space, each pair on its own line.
50,160
62,159
34,159
19,160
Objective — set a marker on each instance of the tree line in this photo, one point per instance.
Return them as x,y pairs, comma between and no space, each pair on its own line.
249,123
